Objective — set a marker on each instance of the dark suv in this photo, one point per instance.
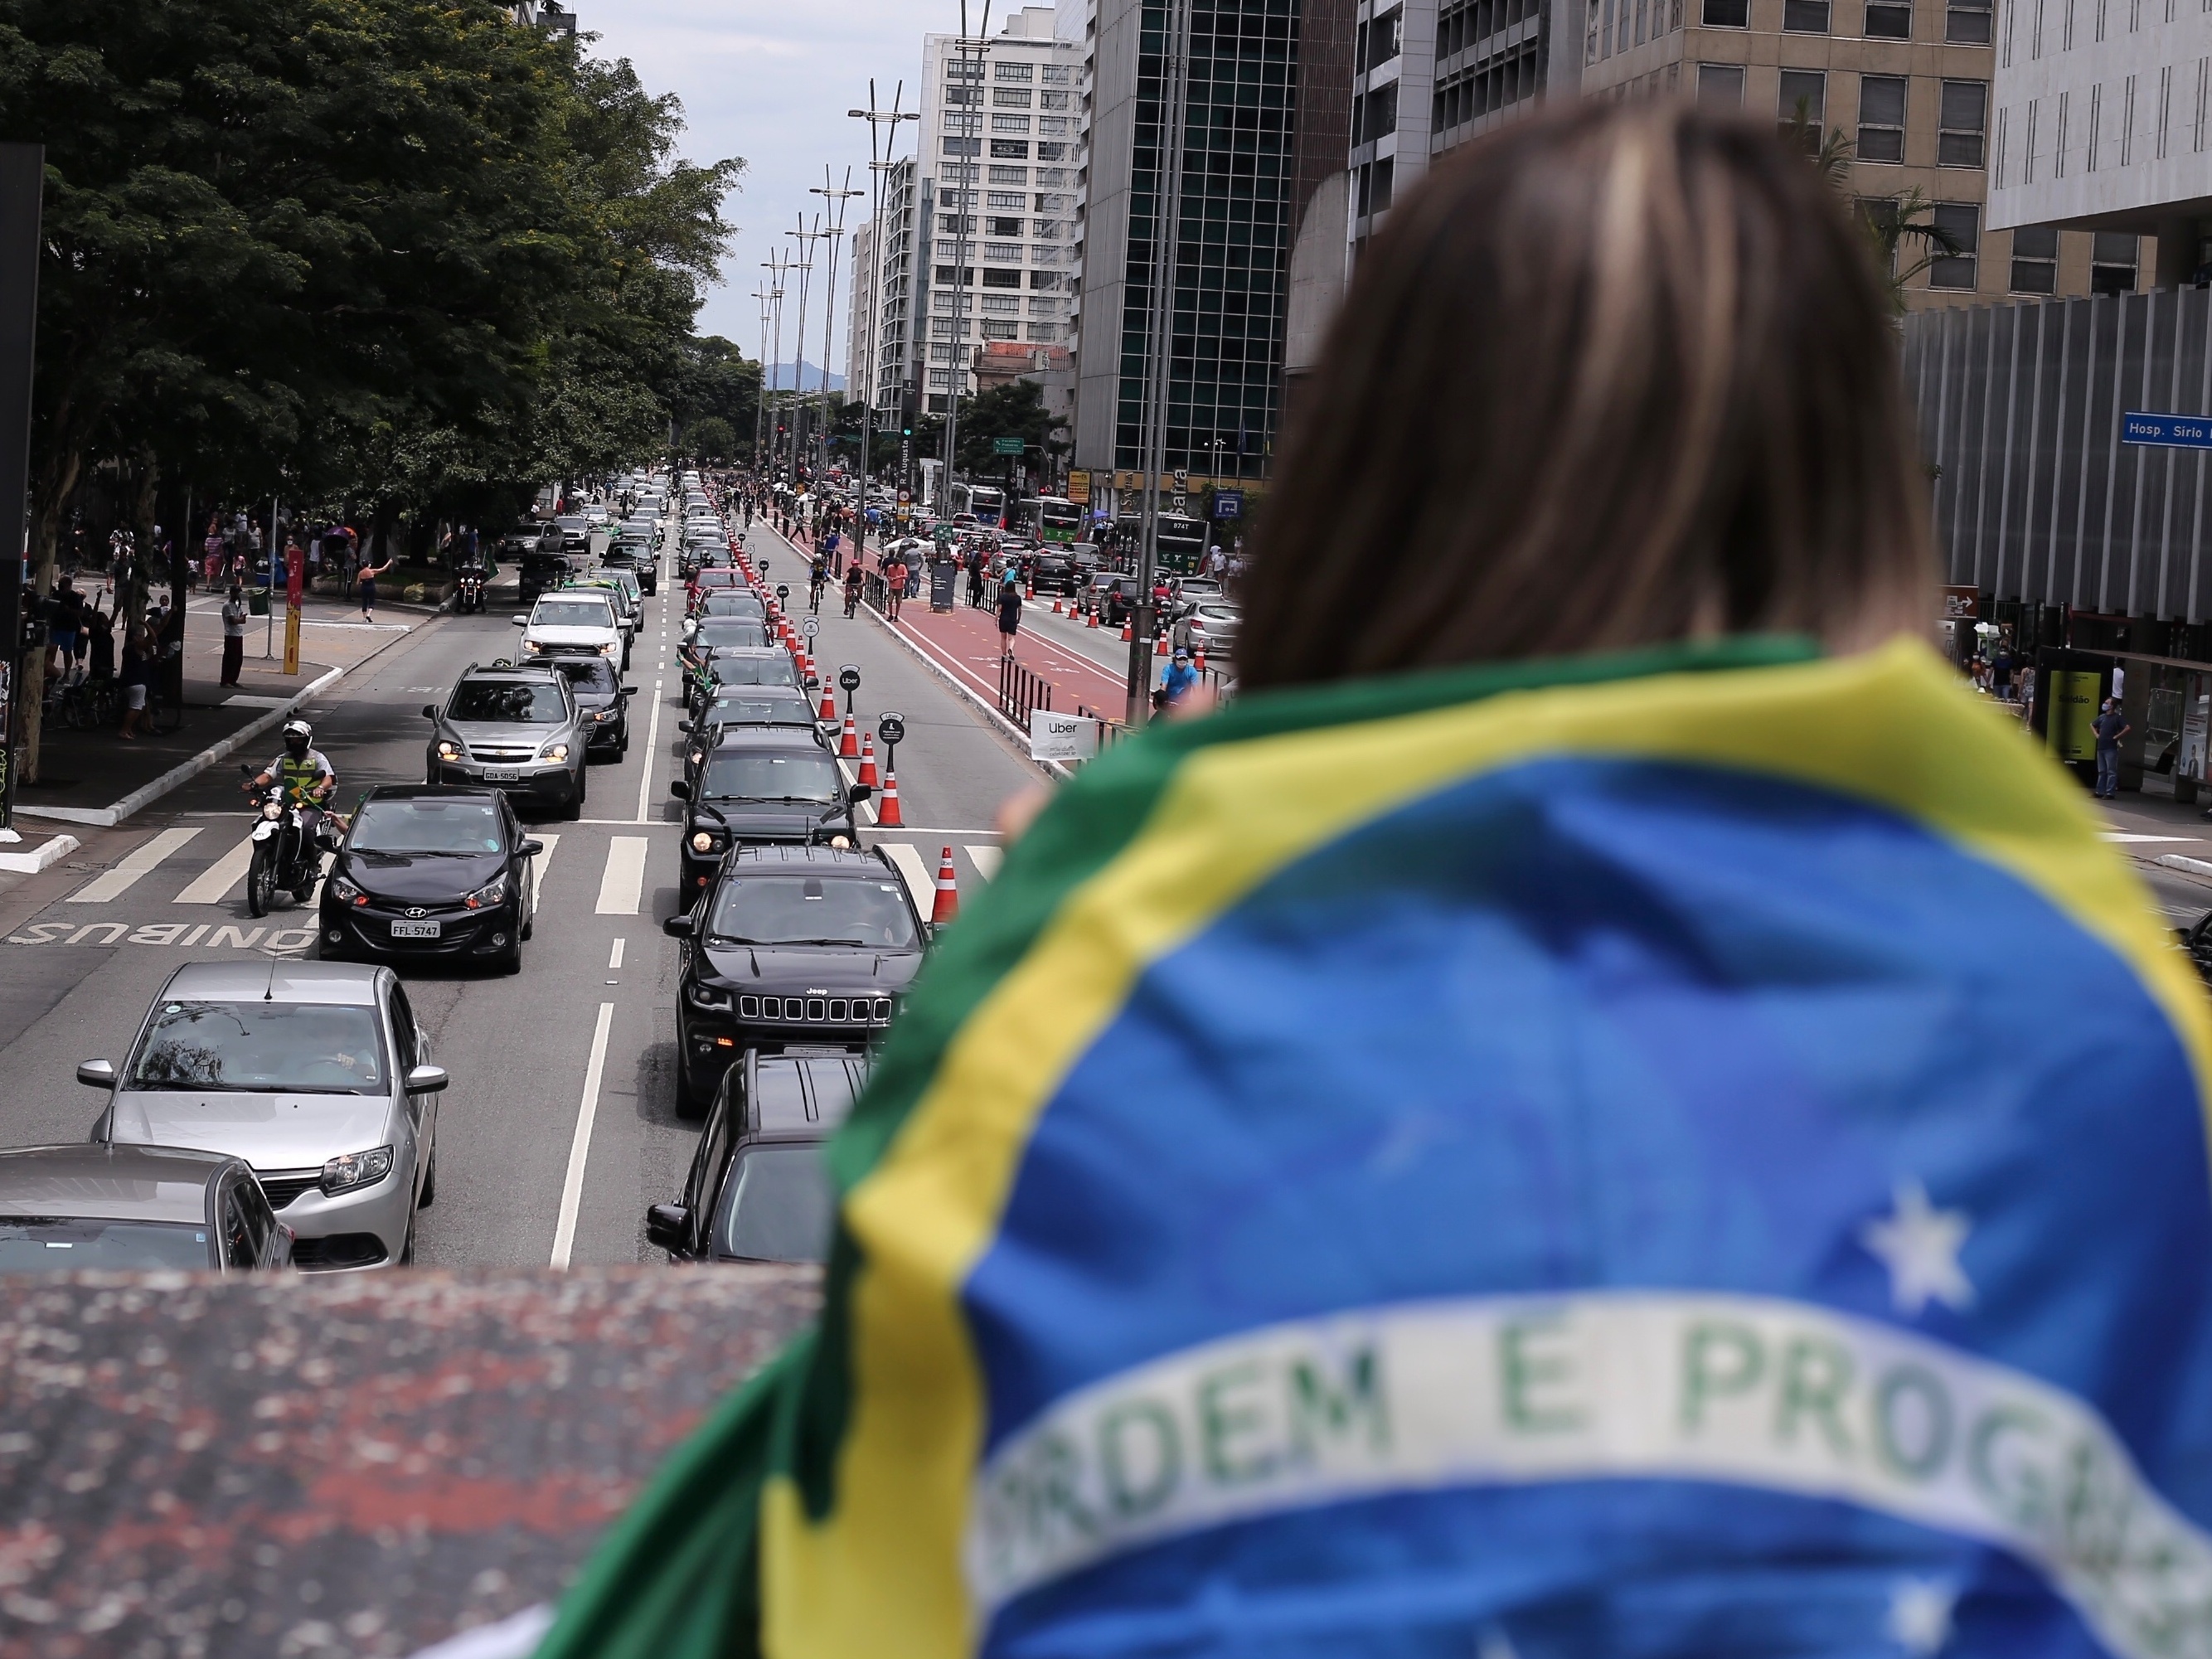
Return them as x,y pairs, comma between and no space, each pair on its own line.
758,1189
789,946
760,783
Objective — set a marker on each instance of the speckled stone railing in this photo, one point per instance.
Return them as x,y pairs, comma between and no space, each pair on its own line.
357,1465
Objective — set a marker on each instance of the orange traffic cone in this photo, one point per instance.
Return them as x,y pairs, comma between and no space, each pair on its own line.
1029,594
887,809
829,715
948,892
1126,634
848,745
868,761
1055,608
1094,618
1198,660
1159,645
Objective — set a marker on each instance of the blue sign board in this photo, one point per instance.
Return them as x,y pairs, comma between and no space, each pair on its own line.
1228,503
2167,431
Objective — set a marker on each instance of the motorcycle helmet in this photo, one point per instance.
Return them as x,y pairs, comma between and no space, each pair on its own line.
298,735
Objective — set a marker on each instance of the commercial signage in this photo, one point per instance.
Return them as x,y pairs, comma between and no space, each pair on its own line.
2073,703
1960,604
2164,431
1078,487
1228,503
1062,737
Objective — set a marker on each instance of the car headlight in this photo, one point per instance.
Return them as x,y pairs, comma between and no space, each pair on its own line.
345,892
553,751
491,893
608,649
706,996
701,841
352,1169
448,750
271,809
603,714
532,645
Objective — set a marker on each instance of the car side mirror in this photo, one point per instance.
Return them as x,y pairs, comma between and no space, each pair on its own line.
858,793
681,790
429,711
683,725
630,691
426,1080
532,848
519,622
96,1073
677,926
669,1226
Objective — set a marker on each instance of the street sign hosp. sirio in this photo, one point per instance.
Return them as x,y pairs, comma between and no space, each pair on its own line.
2167,431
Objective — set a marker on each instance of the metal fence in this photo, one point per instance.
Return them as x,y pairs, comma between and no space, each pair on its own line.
1020,691
2036,497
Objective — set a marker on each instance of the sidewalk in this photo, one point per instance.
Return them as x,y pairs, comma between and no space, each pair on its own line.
98,777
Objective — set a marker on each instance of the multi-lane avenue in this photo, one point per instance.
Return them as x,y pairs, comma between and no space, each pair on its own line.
560,1125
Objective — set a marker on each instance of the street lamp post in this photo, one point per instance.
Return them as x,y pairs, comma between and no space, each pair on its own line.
836,199
759,398
879,165
777,264
806,239
971,126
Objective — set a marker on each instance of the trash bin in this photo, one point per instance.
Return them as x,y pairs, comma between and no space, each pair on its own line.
256,601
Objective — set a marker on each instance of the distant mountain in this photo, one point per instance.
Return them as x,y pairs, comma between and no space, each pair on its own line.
800,377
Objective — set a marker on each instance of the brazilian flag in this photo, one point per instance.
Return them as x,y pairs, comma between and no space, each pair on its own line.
1695,1152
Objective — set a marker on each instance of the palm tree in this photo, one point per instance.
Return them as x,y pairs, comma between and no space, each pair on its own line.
1890,221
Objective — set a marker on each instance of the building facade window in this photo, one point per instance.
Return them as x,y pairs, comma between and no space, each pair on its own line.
1727,14
1010,124
1805,16
1962,123
1887,20
2112,262
1881,216
964,146
1804,99
1008,176
1720,86
1379,42
1006,149
1052,152
1010,97
2035,259
1960,223
1050,126
1967,22
1012,68
1057,75
1881,118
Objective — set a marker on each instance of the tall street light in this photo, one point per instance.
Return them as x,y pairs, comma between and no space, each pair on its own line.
806,239
836,200
776,264
879,164
977,46
759,398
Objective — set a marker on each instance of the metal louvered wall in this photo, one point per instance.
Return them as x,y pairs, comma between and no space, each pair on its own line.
2036,498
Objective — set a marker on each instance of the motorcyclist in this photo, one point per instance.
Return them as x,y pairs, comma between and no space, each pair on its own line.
305,773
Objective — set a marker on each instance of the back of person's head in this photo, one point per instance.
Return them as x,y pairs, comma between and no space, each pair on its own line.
1615,376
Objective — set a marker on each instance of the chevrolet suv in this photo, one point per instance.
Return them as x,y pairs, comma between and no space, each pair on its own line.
518,728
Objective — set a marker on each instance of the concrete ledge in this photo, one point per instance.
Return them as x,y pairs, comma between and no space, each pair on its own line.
29,864
2182,862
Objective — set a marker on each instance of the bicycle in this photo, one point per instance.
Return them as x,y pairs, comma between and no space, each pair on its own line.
814,593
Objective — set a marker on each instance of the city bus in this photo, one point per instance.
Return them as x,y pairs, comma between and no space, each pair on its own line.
1182,546
1051,519
986,502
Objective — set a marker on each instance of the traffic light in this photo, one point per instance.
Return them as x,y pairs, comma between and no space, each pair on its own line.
907,401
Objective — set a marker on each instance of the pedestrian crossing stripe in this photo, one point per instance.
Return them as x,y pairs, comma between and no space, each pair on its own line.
213,885
920,884
134,864
538,866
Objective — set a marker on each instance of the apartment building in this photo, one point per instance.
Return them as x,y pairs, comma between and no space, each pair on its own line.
879,346
994,211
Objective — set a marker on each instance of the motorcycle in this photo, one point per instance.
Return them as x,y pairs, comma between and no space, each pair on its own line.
288,857
471,596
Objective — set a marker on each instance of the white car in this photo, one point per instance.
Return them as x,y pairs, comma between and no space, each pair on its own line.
570,620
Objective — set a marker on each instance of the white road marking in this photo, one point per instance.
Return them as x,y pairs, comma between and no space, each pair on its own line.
580,1147
213,885
920,879
986,860
622,885
2112,835
651,753
102,889
615,957
538,867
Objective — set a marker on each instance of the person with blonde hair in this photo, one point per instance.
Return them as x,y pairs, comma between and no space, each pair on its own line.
1606,1106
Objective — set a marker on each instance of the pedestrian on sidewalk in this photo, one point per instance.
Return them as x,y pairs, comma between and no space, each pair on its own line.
895,585
138,649
234,635
2109,726
1010,612
974,579
368,575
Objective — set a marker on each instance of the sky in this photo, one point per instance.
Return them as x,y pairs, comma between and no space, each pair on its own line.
770,81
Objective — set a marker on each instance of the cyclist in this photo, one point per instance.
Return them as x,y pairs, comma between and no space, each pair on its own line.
852,587
815,579
305,772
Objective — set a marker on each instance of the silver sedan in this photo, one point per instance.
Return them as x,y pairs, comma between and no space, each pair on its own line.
315,1073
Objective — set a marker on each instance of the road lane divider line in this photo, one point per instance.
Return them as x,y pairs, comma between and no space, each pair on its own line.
213,885
920,880
615,956
133,867
538,865
579,1145
986,860
651,753
622,886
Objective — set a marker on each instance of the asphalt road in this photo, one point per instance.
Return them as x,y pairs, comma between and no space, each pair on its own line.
87,946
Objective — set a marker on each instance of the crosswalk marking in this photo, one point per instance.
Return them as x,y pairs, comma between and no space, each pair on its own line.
623,884
920,880
986,860
538,865
102,889
213,885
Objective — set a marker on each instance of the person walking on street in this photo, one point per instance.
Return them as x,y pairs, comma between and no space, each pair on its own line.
137,671
2109,726
895,585
974,579
368,575
233,634
1010,612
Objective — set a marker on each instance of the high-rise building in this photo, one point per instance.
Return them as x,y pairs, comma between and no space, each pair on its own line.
1233,237
999,124
860,303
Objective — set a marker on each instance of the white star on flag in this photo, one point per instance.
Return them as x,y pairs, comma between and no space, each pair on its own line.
1920,1615
1920,1245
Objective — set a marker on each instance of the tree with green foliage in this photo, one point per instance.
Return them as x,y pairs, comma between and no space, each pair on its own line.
710,440
1015,410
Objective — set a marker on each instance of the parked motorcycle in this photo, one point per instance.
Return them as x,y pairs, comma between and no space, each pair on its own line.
288,855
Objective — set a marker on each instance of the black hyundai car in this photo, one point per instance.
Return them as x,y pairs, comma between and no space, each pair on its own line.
763,665
431,871
762,783
602,701
789,946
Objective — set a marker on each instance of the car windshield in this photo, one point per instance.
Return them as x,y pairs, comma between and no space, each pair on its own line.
573,613
427,826
776,1205
508,703
44,1245
290,1047
775,668
868,908
757,776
